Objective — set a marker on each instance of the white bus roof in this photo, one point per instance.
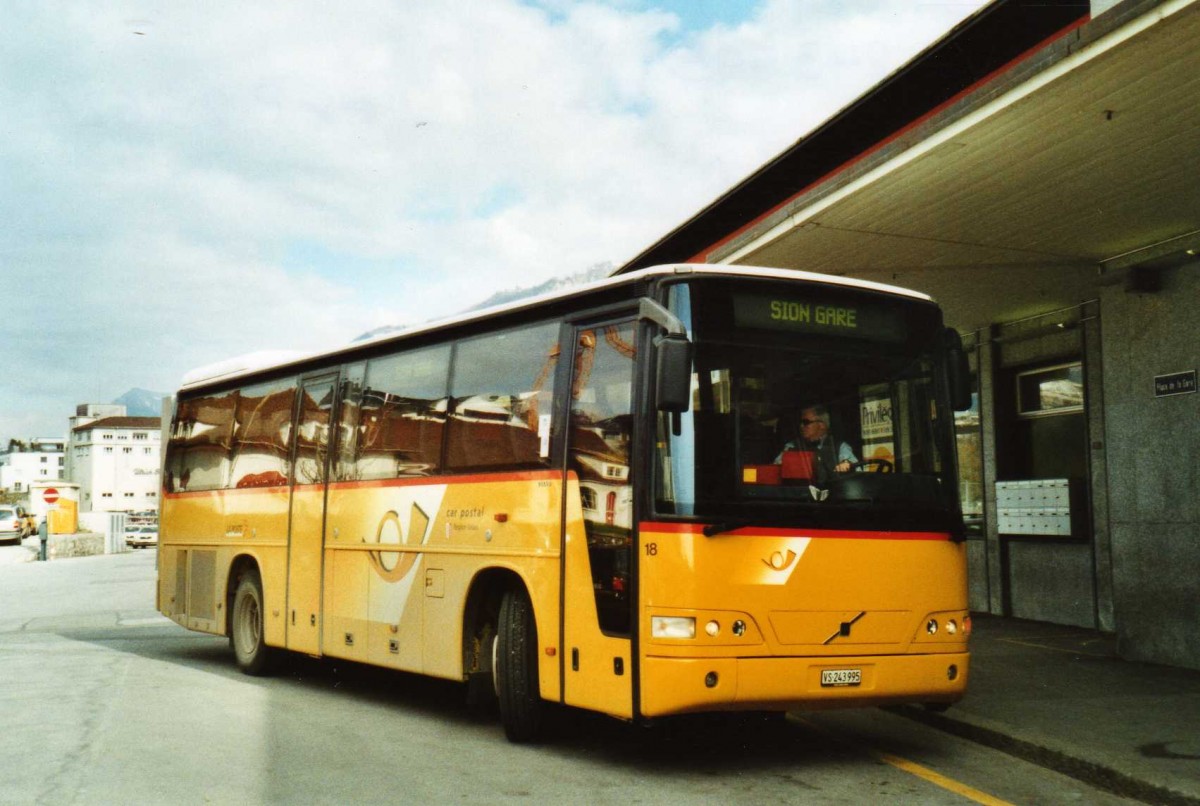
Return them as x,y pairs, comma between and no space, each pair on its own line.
249,363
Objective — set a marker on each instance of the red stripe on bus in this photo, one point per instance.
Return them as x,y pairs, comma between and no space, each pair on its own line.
765,531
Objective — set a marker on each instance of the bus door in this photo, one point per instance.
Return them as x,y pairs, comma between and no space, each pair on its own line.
599,529
310,473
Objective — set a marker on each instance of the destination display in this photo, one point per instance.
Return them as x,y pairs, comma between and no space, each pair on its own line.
814,315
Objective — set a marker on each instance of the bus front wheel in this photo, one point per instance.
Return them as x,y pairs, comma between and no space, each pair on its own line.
516,668
246,634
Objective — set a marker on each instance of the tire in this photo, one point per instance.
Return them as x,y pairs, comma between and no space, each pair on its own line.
516,669
246,632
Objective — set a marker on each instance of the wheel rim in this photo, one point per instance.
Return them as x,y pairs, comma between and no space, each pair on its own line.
249,629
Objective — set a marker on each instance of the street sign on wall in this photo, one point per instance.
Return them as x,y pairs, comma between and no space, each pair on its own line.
1177,383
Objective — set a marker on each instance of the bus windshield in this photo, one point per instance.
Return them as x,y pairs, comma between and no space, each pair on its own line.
811,408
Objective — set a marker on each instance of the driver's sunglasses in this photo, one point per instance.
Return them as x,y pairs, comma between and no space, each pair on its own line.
809,422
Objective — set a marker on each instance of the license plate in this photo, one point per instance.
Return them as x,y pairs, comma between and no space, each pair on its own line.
841,677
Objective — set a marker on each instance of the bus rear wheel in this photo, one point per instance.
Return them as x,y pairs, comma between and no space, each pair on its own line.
246,629
516,668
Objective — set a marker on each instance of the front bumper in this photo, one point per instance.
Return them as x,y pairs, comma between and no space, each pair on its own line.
683,685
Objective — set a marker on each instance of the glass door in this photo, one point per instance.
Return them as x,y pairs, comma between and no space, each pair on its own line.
310,463
598,591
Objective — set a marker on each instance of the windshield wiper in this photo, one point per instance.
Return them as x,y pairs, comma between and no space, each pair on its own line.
714,529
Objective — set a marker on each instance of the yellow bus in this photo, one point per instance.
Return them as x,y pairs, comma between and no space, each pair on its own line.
684,489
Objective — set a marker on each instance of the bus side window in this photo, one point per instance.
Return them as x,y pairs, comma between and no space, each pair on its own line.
200,443
501,398
262,424
311,464
402,415
347,431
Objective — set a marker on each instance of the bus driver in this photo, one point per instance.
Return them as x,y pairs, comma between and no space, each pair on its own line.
815,437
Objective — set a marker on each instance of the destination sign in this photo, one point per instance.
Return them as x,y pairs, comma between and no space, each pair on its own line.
815,315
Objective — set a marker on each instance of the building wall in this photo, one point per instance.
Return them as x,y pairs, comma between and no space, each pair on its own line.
115,471
1047,578
1153,482
43,463
1043,578
86,413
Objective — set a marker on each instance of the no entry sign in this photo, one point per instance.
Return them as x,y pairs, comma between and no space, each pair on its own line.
50,495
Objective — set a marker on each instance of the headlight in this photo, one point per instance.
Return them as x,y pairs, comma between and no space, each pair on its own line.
672,627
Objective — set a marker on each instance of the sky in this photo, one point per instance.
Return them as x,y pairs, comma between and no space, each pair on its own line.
181,183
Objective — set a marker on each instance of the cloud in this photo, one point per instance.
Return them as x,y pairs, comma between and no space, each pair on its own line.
182,183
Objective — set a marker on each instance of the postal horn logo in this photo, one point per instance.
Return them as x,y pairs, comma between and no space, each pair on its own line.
780,561
394,565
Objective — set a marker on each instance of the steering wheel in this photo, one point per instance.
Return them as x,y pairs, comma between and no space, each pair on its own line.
881,465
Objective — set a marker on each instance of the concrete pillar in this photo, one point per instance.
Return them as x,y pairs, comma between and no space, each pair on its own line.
1093,380
987,424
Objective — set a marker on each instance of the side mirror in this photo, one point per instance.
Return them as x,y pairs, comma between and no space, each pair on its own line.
958,371
673,373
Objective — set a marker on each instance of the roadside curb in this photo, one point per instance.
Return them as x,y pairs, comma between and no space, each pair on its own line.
1089,772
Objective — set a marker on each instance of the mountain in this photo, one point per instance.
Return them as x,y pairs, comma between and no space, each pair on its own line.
597,272
590,275
141,403
382,330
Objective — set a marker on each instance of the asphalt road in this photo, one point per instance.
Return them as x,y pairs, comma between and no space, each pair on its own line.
104,701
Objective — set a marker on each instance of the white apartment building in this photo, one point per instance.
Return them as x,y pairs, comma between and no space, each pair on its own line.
115,459
41,461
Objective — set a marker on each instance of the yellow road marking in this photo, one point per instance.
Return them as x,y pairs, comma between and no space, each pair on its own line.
957,787
913,768
1034,645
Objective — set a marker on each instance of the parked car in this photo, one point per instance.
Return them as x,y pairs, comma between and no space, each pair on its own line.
143,518
30,520
141,536
12,525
